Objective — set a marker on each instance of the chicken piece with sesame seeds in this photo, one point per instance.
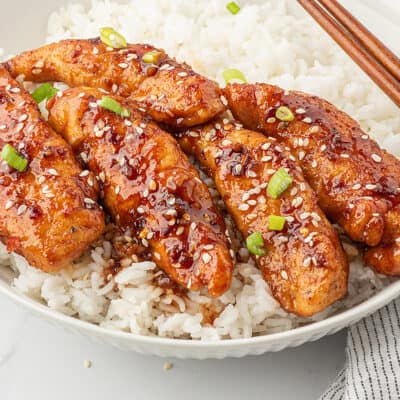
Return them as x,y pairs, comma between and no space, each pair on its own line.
49,212
172,93
304,263
357,182
149,187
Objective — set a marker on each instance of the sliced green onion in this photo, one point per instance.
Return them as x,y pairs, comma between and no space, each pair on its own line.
255,244
233,7
152,57
233,75
112,38
284,114
112,105
13,158
276,222
279,182
44,92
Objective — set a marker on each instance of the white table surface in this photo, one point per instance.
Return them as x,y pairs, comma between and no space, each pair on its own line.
40,361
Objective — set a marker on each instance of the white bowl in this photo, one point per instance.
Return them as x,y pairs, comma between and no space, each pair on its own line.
13,27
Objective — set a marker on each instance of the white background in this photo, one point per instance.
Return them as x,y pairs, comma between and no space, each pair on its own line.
40,361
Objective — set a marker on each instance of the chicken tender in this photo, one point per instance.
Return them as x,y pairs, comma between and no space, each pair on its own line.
170,92
149,187
49,212
357,183
304,263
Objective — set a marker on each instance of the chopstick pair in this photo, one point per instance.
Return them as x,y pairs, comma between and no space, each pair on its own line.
373,57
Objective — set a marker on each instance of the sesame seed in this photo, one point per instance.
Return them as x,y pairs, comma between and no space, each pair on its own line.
300,111
41,179
123,65
376,158
294,191
365,137
252,202
271,120
297,202
307,262
344,155
314,164
289,218
167,366
270,171
117,190
179,120
376,214
140,210
302,186
19,127
316,216
193,226
314,129
356,186
23,117
266,158
52,171
88,200
266,146
88,363
2,127
245,196
152,185
323,147
21,209
304,215
206,257
9,204
224,101
182,74
301,155
226,142
180,230
84,173
251,174
93,104
397,240
238,168
193,134
243,207
95,51
102,176
370,186
284,275
15,90
307,120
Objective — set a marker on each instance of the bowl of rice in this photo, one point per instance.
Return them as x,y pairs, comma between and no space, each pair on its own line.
271,41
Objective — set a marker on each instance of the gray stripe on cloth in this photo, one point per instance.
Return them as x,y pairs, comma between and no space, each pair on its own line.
372,369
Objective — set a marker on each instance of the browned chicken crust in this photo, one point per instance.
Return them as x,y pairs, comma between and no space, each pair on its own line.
149,187
48,213
304,265
170,92
357,183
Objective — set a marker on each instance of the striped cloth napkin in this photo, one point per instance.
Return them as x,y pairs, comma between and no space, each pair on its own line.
372,370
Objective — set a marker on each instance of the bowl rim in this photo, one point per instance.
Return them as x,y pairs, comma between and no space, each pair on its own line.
340,320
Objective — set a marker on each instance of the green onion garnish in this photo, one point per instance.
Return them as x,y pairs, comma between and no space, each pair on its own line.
112,38
13,158
44,92
276,222
112,105
279,182
233,75
284,114
233,7
152,57
255,244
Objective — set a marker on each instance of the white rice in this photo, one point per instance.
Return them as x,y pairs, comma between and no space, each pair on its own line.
271,41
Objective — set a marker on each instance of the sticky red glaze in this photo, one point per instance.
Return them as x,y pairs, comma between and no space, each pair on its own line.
44,211
170,92
149,187
357,182
304,264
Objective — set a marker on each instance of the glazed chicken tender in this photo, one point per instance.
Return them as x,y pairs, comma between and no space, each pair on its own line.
149,188
357,183
48,211
304,263
170,92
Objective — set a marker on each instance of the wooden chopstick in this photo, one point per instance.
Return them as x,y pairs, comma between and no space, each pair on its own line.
367,62
371,43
